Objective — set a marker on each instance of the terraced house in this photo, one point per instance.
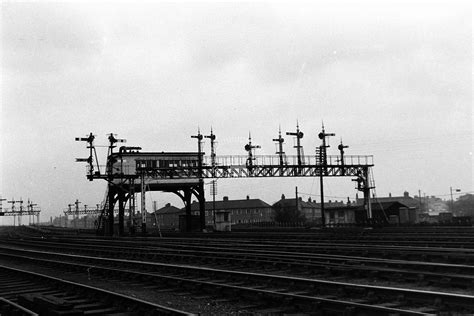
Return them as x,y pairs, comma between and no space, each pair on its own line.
242,211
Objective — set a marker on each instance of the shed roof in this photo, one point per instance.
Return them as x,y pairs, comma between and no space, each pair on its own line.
376,206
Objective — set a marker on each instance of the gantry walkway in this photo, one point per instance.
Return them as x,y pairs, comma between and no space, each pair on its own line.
260,166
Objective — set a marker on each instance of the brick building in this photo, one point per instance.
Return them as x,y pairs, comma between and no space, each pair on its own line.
405,199
168,216
309,210
382,213
243,211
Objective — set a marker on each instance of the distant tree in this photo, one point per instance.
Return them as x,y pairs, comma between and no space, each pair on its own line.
464,205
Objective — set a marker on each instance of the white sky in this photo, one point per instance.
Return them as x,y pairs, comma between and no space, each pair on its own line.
391,80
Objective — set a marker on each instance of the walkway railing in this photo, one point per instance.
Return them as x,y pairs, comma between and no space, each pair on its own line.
274,160
240,166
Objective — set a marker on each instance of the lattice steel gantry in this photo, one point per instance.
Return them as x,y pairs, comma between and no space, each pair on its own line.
129,171
32,211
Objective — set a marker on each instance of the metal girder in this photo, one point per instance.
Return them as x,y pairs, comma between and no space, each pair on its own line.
254,171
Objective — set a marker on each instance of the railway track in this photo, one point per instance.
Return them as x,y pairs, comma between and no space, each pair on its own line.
432,236
298,272
297,294
29,293
412,253
438,274
404,241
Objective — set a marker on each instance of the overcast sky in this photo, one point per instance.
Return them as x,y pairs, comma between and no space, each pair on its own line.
391,80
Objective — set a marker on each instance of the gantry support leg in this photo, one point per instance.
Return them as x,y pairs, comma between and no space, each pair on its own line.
131,208
321,190
367,203
110,212
202,204
121,201
187,204
142,204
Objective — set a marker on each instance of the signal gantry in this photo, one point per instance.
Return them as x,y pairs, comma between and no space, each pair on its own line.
129,171
31,211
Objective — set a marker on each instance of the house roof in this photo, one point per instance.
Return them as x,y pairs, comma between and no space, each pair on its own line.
385,205
169,209
376,206
406,201
232,204
285,203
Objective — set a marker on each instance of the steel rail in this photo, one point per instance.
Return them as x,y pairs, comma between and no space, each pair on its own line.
10,307
291,297
414,270
422,297
142,304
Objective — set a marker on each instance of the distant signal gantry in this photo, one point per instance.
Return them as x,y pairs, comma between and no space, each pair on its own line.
32,211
